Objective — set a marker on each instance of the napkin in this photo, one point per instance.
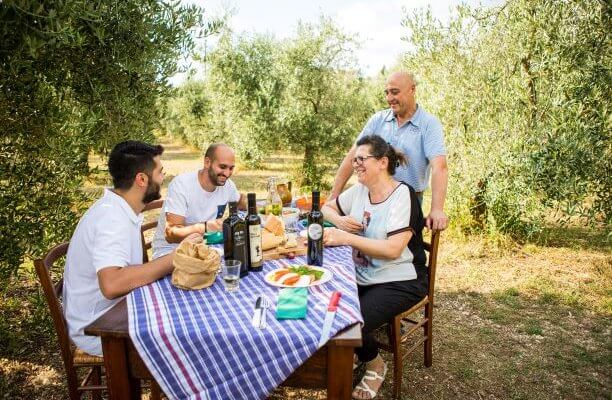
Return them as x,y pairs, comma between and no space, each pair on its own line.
292,303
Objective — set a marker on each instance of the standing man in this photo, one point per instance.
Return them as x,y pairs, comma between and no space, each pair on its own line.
417,134
196,200
104,260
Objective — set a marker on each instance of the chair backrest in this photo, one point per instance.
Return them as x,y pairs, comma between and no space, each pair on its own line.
53,294
146,244
432,261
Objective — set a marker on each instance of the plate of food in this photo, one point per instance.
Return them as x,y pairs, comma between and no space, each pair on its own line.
298,276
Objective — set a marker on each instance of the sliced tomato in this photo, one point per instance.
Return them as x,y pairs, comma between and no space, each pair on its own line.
279,273
292,281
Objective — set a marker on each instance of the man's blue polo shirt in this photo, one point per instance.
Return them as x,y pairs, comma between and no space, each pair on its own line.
420,139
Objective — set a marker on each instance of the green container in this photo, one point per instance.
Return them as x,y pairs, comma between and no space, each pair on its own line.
214,237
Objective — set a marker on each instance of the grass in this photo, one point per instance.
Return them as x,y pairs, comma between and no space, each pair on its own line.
511,321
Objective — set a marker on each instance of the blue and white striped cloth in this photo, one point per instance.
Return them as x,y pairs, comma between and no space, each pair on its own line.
200,344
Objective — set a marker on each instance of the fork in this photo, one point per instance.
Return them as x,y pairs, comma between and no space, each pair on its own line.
265,304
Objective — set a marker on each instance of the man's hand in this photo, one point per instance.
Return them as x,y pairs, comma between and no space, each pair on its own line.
335,237
215,225
348,224
194,238
200,229
436,220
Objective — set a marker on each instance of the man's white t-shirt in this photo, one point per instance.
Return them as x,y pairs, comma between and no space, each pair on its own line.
187,198
381,220
108,235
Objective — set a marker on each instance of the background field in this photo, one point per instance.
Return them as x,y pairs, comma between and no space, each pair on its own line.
511,321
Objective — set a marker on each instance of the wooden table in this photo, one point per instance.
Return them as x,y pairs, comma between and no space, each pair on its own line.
331,367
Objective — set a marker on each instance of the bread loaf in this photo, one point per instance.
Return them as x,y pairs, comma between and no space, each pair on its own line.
275,225
270,241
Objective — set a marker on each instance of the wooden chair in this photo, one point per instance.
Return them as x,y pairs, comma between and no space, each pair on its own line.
146,244
74,359
403,326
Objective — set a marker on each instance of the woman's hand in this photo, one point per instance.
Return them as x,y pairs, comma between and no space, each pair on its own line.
348,224
336,237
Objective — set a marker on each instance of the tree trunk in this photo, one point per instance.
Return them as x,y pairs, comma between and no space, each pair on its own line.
309,167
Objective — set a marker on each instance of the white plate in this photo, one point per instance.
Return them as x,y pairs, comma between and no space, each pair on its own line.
327,275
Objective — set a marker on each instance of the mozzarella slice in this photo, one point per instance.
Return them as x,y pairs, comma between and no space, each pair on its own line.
305,280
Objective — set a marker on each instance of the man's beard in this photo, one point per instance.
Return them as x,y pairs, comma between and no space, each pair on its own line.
153,192
214,178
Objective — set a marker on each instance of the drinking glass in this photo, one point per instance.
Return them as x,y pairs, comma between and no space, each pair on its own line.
231,275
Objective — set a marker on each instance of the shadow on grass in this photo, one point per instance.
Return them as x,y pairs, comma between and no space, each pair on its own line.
529,347
576,237
181,156
524,343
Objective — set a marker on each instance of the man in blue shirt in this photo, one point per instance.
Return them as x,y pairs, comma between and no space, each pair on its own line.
417,134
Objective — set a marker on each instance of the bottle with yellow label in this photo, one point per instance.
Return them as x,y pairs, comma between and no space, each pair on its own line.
254,234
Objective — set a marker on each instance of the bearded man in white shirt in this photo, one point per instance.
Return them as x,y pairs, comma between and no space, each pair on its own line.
196,200
104,260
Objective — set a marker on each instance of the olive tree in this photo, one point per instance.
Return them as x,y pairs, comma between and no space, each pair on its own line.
323,102
75,77
303,94
521,89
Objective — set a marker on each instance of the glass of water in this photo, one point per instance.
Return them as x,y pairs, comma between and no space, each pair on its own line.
231,275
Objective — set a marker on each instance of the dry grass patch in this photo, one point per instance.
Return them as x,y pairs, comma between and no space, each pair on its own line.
511,321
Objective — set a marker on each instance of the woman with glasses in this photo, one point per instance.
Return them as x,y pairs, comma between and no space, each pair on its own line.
383,222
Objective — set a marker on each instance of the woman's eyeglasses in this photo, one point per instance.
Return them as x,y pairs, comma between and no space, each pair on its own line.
360,159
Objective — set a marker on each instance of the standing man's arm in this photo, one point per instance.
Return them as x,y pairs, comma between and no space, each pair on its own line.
242,202
437,219
344,173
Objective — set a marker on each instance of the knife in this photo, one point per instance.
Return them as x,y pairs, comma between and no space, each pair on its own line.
329,317
256,321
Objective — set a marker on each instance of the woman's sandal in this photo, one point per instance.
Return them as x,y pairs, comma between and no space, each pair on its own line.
370,376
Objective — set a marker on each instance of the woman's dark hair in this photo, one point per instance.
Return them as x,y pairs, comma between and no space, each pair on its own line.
128,159
380,148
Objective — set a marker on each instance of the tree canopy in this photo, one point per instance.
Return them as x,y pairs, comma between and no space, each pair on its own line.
301,94
522,90
76,76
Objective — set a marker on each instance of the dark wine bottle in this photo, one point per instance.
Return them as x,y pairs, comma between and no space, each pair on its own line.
315,233
235,242
254,230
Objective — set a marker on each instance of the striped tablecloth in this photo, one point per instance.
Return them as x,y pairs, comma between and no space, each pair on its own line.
200,344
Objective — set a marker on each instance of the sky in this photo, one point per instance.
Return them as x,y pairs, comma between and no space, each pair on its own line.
376,22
